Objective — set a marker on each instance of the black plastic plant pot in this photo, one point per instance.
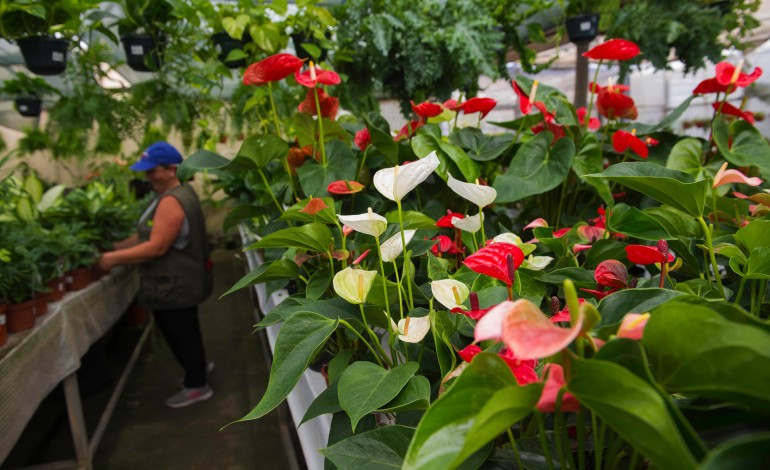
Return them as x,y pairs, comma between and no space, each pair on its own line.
226,44
29,106
44,55
582,28
143,53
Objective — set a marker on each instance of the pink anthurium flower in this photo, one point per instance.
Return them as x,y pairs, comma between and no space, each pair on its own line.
622,141
632,326
340,187
314,76
525,330
590,233
611,273
554,382
730,110
539,222
614,49
725,176
491,260
523,371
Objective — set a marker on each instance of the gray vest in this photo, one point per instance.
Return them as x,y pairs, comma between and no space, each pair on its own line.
179,278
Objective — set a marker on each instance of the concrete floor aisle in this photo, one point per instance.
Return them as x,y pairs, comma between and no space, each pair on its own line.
144,434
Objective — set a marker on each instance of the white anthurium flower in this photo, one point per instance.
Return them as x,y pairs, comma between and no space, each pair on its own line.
536,263
396,182
413,329
471,224
449,293
368,223
514,239
391,247
353,285
478,194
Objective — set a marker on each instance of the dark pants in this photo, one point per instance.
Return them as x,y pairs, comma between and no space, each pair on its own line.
182,331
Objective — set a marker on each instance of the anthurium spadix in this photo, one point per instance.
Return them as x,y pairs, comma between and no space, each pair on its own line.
368,223
525,330
394,183
478,194
392,247
353,285
450,293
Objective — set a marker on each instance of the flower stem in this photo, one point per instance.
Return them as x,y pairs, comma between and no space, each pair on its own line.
400,289
591,100
544,444
275,113
710,245
374,337
581,435
483,235
384,280
515,449
410,300
369,346
320,127
269,190
737,299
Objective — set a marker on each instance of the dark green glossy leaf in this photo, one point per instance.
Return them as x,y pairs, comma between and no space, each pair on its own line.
667,121
686,157
742,144
314,177
580,276
325,403
244,212
297,342
615,306
670,187
481,147
589,161
314,237
630,221
272,271
632,408
442,328
318,283
675,221
412,220
262,149
753,235
695,350
536,168
382,140
744,452
604,249
414,396
365,387
381,448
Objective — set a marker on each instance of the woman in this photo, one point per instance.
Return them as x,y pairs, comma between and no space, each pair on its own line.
172,251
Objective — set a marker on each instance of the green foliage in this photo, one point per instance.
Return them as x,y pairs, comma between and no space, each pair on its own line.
27,85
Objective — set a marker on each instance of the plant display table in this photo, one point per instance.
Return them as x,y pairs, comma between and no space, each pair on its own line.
35,361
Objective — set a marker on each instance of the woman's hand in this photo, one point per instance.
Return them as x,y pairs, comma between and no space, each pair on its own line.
104,262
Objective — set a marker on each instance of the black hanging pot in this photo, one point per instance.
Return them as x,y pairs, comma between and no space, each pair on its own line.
225,44
44,55
143,53
582,28
29,106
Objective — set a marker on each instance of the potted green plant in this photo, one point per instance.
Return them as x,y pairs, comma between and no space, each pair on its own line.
310,29
142,30
27,93
42,29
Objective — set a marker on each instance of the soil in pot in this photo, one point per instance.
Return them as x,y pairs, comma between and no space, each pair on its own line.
57,291
20,317
3,330
44,55
41,304
78,279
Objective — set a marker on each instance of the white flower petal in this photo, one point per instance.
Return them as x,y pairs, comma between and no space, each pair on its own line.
449,293
391,248
413,329
396,182
508,237
537,263
368,223
353,285
480,195
471,223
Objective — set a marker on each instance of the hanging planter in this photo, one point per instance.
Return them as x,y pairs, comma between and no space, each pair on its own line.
20,316
143,52
44,55
582,28
29,106
225,44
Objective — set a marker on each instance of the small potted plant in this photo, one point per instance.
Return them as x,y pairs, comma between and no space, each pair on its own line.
310,31
27,93
582,20
142,32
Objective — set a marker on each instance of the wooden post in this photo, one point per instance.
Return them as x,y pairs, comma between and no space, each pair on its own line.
77,422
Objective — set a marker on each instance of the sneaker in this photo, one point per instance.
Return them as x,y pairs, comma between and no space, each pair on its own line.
188,396
209,368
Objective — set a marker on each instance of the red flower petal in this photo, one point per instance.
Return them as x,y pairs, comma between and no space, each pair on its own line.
524,105
323,77
446,221
523,370
709,85
408,130
363,139
731,110
427,109
468,352
642,254
614,49
593,122
622,141
726,70
314,206
329,104
271,69
611,273
478,105
491,260
614,105
554,381
344,187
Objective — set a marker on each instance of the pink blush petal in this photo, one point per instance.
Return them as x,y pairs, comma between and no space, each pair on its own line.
529,334
490,326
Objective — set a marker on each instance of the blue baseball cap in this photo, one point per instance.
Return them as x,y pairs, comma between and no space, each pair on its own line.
159,153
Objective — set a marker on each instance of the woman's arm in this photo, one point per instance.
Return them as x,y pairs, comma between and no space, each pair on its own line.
133,240
166,224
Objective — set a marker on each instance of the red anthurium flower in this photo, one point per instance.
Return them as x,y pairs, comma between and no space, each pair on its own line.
611,273
492,260
590,233
408,130
563,315
475,312
271,69
314,206
363,139
426,109
296,157
614,49
314,76
622,141
561,232
555,129
478,105
612,103
554,382
451,104
526,102
525,330
642,254
728,74
593,122
446,221
344,187
524,371
444,244
731,110
710,85
329,104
